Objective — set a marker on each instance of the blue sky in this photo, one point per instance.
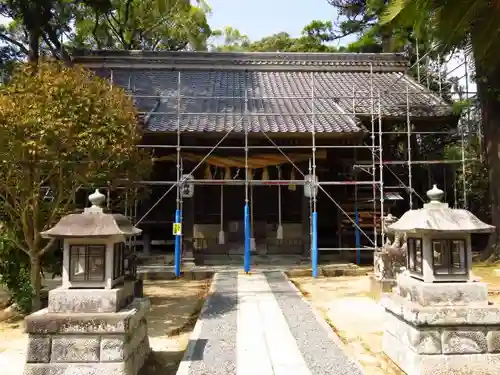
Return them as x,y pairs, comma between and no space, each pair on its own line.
259,18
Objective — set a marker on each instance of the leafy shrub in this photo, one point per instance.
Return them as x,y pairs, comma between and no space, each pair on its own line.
15,273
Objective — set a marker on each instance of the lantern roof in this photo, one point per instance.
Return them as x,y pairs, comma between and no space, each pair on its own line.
437,216
93,222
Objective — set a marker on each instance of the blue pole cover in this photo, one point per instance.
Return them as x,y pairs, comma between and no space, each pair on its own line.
314,245
246,262
177,257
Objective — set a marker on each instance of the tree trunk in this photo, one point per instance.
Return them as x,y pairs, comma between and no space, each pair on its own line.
34,46
36,282
488,88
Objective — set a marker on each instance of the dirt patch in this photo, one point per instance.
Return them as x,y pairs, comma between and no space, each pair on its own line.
13,343
354,314
346,304
486,273
175,307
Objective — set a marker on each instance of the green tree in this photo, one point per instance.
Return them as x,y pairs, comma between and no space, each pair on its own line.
315,37
37,23
229,39
73,131
50,26
473,24
143,24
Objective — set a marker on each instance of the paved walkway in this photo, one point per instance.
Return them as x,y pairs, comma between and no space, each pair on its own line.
260,324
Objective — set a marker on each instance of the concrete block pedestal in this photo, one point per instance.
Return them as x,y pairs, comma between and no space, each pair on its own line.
65,342
440,329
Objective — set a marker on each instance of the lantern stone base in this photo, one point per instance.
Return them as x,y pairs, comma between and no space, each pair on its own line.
88,343
439,340
442,294
63,300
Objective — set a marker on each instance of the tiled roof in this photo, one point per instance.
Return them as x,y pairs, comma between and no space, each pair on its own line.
235,60
222,92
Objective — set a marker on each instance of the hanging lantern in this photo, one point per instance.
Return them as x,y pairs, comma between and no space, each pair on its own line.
310,187
265,174
208,172
292,186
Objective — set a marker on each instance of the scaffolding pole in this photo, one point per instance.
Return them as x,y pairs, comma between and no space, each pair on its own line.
373,169
321,188
464,181
308,147
264,97
381,172
314,216
248,182
258,182
174,183
178,212
364,164
277,114
246,214
357,236
408,127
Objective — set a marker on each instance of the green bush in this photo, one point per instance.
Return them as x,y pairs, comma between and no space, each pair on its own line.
15,273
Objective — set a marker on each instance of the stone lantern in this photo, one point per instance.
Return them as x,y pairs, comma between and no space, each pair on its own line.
438,247
94,246
93,322
439,320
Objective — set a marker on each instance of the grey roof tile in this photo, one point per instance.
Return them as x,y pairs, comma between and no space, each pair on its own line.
214,99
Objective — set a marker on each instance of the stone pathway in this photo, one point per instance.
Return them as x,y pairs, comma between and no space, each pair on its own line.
260,324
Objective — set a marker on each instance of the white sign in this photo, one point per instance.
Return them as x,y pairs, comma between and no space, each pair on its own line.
310,190
187,188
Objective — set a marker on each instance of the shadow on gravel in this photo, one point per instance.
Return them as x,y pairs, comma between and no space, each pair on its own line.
162,363
220,304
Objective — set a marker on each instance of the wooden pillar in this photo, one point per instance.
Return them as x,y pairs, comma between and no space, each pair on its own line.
306,226
188,232
146,242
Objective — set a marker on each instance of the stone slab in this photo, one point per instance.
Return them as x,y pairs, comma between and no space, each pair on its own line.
413,363
462,341
109,368
38,350
121,347
442,294
418,315
62,300
126,320
493,340
421,341
113,348
75,348
169,274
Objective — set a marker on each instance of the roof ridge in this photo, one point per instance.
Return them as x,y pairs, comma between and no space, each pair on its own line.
82,55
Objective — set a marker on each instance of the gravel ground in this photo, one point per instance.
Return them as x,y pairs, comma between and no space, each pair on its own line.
322,355
215,348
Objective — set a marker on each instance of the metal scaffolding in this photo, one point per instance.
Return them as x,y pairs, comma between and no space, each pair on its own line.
376,167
